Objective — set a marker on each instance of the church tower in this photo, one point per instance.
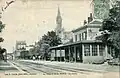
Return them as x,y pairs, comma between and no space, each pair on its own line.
64,35
59,28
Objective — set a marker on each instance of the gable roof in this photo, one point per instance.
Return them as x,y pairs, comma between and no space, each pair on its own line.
96,23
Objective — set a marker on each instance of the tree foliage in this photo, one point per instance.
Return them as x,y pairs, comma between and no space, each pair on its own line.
48,40
2,50
51,38
2,26
111,28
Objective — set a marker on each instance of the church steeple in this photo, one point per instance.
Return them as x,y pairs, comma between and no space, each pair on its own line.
59,18
59,28
59,12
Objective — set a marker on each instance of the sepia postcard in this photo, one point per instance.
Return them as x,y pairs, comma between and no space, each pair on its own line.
59,39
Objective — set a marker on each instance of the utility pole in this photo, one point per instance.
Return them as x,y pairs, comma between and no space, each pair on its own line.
13,55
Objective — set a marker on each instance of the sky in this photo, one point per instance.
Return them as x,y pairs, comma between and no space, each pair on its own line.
32,19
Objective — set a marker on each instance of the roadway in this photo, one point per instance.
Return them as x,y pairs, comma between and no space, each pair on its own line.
56,68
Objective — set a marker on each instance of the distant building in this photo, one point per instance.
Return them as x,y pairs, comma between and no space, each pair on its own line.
20,46
84,48
60,31
29,47
23,51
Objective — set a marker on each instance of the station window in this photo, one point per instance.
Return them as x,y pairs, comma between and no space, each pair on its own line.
75,37
94,50
87,50
82,36
101,48
79,37
85,33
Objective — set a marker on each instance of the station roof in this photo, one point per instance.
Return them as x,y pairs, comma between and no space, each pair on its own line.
75,43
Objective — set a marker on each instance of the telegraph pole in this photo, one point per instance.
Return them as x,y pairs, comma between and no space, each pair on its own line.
13,55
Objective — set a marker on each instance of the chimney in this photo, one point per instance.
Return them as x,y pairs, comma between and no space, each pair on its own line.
85,22
91,15
90,18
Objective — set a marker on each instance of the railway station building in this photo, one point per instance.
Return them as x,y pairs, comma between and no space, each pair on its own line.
84,48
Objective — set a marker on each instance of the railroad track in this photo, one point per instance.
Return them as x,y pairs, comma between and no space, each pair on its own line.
49,68
68,68
40,68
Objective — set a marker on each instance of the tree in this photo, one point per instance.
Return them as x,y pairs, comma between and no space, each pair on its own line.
45,48
51,38
1,40
2,50
48,40
111,29
1,28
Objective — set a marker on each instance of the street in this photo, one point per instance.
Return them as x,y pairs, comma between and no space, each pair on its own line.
37,67
30,66
33,67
